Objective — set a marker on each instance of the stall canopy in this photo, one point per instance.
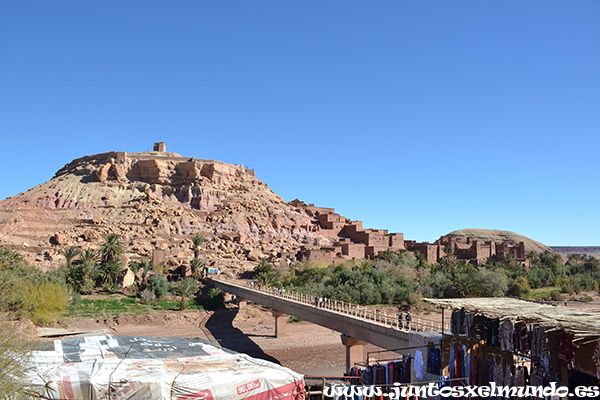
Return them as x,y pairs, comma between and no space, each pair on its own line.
132,367
582,323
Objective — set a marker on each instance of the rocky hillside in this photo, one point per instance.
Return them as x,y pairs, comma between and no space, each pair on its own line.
502,236
155,200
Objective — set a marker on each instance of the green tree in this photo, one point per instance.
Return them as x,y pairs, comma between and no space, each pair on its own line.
197,241
89,258
591,264
112,249
109,272
214,299
518,287
159,285
70,255
196,266
111,263
490,283
185,289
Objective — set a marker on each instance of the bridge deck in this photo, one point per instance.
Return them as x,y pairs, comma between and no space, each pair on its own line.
358,322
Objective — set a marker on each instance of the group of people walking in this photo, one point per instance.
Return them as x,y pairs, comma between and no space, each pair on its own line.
321,301
401,320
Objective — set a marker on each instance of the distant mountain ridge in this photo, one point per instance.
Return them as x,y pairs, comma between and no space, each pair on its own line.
587,250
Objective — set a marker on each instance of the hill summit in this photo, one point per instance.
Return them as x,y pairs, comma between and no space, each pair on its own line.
154,200
501,236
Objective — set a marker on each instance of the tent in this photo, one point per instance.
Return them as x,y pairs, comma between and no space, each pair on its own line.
132,367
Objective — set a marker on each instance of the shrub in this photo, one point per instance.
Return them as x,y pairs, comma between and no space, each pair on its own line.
556,296
491,283
159,285
159,268
518,287
214,299
147,296
15,362
75,302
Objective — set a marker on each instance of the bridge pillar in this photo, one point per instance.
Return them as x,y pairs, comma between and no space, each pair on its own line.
242,303
354,351
280,323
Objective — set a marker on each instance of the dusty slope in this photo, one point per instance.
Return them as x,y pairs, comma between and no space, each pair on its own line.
499,236
154,200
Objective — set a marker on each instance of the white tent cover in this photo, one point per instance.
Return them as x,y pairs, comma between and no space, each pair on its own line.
132,367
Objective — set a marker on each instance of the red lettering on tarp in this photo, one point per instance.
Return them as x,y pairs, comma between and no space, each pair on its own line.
248,387
203,395
291,391
68,388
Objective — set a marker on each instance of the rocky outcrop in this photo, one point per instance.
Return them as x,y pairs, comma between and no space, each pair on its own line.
155,200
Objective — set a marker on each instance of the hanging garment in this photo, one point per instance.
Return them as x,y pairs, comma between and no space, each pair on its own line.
454,323
596,358
451,362
567,349
469,324
474,374
478,327
492,332
434,362
419,366
468,366
521,338
506,335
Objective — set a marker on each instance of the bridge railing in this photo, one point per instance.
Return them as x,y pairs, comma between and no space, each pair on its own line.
418,324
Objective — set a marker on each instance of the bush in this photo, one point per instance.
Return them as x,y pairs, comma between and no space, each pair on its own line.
556,296
518,287
159,285
15,362
75,302
147,296
26,292
491,283
214,300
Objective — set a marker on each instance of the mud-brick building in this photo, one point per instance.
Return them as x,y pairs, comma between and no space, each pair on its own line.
520,343
349,239
470,250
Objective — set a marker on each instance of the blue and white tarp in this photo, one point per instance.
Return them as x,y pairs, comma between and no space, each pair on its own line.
131,367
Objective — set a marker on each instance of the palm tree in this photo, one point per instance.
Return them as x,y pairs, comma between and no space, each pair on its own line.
70,254
196,265
89,258
185,289
533,257
109,272
197,241
112,249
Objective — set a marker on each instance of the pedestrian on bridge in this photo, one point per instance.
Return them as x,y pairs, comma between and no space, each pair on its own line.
400,323
408,320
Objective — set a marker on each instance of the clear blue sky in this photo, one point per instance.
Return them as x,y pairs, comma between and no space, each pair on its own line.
421,117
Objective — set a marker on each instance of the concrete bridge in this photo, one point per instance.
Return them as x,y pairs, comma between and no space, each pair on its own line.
357,324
